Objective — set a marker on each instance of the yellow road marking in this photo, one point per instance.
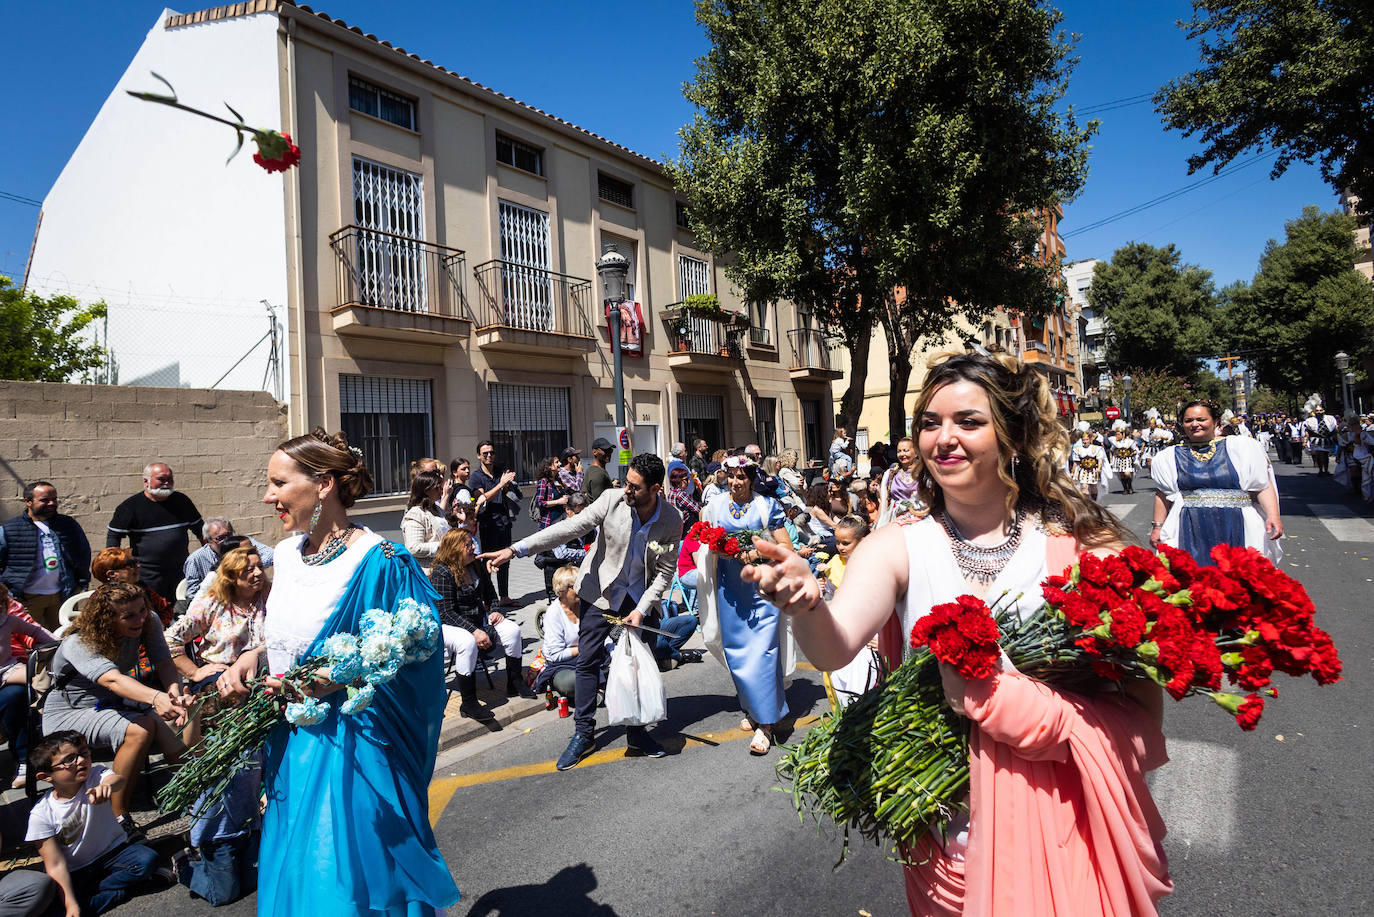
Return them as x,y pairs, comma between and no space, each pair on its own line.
441,790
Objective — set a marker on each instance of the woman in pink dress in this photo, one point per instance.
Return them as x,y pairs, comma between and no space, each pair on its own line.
1059,820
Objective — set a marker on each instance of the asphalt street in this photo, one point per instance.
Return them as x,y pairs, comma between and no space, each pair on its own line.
1272,822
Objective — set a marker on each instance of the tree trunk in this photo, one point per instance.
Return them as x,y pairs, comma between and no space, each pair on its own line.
899,381
852,402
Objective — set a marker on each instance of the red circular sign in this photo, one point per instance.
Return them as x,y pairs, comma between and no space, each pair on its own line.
1112,413
624,438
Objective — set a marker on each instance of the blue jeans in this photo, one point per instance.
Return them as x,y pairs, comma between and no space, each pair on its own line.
107,882
14,719
227,870
682,627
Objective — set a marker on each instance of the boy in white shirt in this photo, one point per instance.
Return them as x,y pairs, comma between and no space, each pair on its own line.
84,849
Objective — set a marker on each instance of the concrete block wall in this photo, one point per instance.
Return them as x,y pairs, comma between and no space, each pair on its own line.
92,441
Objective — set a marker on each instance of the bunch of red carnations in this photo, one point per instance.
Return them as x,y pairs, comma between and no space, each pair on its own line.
727,544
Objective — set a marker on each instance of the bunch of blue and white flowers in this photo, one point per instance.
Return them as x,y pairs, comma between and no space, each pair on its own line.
372,657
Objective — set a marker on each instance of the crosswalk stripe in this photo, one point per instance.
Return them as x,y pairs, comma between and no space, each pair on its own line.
1342,522
1120,510
1196,793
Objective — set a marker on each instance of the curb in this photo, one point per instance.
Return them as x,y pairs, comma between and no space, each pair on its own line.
458,729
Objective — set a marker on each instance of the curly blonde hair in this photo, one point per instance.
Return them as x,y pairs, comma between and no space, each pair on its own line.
97,621
1027,425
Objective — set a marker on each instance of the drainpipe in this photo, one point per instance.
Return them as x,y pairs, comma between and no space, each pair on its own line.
300,395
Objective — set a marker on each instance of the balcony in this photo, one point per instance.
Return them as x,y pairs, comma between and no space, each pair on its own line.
527,310
811,356
704,340
396,288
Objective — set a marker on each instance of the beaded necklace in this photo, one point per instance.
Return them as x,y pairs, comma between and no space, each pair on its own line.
982,562
332,548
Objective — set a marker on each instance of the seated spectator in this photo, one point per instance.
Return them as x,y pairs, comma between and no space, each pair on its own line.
216,531
14,696
561,624
715,484
467,624
788,473
96,694
227,619
95,864
118,565
820,508
28,893
424,524
679,493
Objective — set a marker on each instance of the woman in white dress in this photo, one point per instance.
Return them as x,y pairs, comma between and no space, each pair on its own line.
1087,464
1000,515
1211,491
1122,452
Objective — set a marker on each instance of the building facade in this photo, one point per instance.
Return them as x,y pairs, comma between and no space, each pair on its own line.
1364,261
433,259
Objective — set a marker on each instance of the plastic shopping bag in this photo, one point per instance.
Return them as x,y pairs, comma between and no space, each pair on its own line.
635,695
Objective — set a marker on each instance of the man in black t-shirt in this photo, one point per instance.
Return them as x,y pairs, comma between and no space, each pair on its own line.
156,522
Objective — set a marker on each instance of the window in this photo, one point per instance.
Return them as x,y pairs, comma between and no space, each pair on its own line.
390,261
615,190
390,421
528,422
766,424
760,323
693,276
701,417
811,429
371,99
519,154
526,287
626,247
681,216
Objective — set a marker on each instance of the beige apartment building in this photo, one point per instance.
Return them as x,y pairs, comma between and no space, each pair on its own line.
438,245
1364,260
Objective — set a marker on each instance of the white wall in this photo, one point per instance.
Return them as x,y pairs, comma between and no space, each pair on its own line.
147,216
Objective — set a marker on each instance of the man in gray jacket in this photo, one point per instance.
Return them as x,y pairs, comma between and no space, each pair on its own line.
626,573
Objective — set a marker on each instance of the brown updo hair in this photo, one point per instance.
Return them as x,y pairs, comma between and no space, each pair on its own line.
1027,425
318,453
1212,408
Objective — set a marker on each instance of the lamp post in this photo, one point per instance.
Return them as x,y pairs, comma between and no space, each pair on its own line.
1342,360
612,267
1126,398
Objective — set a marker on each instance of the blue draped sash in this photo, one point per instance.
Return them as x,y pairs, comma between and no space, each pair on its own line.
346,831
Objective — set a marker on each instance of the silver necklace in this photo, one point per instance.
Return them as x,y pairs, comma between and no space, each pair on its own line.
982,562
331,549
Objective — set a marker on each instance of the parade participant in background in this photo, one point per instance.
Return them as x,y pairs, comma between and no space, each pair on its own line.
156,522
1294,429
1211,491
1319,438
1350,452
1122,450
1060,819
423,523
1157,437
626,573
742,628
1366,458
497,508
1087,462
317,855
595,479
898,485
45,558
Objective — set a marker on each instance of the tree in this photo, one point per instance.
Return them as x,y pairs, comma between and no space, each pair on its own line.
1160,312
40,338
1305,303
1264,400
1293,75
878,161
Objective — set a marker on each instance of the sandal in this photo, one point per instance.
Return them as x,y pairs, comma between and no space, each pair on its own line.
747,725
761,744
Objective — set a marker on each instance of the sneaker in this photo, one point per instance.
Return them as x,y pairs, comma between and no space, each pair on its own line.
132,831
21,777
640,742
580,747
687,656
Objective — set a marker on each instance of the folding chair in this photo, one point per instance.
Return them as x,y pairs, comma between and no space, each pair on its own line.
38,670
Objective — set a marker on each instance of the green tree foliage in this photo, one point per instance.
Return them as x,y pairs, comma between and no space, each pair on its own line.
1167,391
1292,75
877,161
1161,312
1305,303
40,338
1264,400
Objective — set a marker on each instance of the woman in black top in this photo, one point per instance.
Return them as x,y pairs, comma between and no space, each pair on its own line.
467,623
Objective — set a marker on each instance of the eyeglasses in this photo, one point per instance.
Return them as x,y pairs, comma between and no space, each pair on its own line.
72,761
485,452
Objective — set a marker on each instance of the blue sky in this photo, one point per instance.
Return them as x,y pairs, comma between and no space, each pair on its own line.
550,55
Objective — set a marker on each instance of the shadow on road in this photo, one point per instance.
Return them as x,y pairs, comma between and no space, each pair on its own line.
565,894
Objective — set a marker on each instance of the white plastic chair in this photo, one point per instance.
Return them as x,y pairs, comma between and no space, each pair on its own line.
72,607
181,591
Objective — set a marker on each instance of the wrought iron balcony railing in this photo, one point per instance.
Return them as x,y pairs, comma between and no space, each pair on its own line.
511,295
697,332
809,349
384,270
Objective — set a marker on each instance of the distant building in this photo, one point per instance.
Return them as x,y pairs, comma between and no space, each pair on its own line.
1364,261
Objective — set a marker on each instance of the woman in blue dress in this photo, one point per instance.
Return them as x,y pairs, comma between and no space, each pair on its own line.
1211,491
738,623
346,832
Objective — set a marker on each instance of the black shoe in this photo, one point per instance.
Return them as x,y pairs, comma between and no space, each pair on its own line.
665,665
688,656
642,743
515,679
580,747
132,831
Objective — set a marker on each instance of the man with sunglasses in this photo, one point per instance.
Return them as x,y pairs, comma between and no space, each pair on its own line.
497,509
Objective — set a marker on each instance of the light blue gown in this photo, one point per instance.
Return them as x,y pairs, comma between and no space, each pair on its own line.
346,832
749,624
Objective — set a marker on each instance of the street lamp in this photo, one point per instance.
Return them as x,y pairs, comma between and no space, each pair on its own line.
1342,360
612,267
1126,398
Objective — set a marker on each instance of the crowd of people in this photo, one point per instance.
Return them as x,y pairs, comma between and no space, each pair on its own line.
987,495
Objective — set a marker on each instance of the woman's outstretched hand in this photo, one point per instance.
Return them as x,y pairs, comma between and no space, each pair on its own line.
785,580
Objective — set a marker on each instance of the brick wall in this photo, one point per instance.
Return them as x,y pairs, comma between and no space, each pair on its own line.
92,441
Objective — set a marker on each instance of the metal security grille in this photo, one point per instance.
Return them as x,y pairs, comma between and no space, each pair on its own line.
521,155
391,267
526,287
693,276
528,423
389,419
701,417
371,99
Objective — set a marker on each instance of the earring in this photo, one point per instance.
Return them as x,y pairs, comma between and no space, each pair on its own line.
315,517
1014,459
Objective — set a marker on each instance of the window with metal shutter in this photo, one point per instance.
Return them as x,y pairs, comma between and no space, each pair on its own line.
528,423
390,261
390,420
525,282
694,276
701,417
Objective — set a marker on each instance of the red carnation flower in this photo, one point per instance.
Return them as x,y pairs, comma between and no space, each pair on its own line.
960,633
1128,625
1248,714
276,152
731,545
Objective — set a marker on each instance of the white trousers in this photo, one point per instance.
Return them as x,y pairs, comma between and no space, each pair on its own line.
462,645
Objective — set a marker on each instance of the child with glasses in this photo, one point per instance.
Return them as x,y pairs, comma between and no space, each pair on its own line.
84,849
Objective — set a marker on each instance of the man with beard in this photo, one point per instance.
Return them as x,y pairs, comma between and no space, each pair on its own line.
156,522
44,556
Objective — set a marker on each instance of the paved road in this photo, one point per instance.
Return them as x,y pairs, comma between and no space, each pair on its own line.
1274,822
